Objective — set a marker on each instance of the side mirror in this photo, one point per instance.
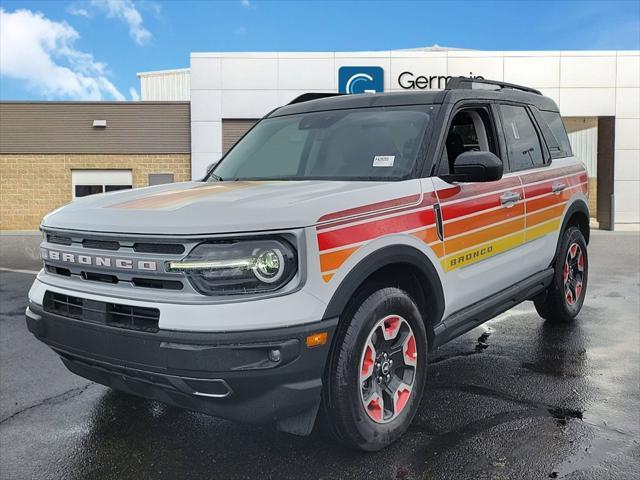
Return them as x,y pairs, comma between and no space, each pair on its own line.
475,166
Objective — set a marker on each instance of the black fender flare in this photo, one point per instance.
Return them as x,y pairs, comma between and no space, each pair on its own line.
577,206
385,256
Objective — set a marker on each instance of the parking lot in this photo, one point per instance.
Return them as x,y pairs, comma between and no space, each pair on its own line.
513,399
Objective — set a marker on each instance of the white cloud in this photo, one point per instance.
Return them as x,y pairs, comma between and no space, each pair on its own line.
135,96
41,53
245,3
126,11
73,9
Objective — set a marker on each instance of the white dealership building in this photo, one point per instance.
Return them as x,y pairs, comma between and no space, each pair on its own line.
598,93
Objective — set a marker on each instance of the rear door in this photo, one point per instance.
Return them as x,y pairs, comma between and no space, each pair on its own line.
482,223
544,184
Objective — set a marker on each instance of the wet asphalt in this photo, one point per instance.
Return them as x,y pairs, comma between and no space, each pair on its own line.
513,399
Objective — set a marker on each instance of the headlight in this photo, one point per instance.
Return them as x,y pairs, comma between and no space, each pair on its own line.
239,267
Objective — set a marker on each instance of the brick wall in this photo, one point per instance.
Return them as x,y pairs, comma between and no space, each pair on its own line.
32,185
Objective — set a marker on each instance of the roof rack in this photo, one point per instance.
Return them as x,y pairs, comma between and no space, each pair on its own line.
306,97
461,83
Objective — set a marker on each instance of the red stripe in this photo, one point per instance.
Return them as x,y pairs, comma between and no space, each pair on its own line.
396,202
374,229
454,210
428,200
472,189
544,188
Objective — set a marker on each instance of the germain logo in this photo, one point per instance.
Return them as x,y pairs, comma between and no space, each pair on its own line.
360,80
409,81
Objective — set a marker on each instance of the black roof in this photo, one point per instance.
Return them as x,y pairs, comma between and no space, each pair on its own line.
413,97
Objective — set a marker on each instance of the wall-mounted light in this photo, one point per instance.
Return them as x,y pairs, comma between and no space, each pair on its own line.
99,124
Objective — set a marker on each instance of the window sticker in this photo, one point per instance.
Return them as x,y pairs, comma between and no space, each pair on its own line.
384,160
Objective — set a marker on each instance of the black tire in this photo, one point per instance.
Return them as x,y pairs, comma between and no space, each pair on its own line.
563,301
343,410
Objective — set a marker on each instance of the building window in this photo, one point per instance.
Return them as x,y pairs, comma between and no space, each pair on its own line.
160,178
89,182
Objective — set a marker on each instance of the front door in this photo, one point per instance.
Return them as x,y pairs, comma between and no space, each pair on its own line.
483,224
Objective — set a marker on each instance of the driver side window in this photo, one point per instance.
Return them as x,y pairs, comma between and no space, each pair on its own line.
470,130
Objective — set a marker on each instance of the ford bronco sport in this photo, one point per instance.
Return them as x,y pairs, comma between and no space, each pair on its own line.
307,278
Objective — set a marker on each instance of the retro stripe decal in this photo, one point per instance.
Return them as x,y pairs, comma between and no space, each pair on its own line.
476,225
174,199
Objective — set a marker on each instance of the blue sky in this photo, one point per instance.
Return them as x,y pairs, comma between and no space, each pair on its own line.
92,49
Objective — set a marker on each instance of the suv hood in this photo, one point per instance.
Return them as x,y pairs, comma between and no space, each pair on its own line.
194,208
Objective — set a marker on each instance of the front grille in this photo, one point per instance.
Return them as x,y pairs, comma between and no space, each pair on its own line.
112,314
101,244
59,240
169,248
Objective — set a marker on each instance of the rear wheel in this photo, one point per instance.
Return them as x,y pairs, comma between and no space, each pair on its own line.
565,295
376,372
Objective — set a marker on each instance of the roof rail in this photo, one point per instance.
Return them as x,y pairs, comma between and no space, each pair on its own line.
460,83
306,97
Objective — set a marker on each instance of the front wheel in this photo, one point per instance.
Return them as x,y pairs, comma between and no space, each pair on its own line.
376,372
565,295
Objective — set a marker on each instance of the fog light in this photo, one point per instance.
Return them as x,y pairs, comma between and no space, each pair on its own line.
274,355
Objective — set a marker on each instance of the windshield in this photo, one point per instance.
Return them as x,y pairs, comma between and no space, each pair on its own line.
356,144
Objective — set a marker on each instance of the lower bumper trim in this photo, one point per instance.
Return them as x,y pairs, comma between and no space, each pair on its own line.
222,374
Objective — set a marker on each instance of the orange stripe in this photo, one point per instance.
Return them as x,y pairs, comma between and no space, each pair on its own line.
485,235
438,249
326,278
333,260
457,227
543,202
539,217
428,235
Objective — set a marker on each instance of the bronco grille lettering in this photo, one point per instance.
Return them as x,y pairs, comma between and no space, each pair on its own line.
99,261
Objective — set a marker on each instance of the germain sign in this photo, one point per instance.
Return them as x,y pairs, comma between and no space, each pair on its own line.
410,81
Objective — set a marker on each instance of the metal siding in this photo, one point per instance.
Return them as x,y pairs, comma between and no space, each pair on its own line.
165,86
66,127
232,130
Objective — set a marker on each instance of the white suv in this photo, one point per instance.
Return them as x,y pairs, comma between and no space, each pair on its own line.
314,269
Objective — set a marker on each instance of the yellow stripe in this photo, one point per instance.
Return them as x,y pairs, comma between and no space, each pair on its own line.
482,251
542,229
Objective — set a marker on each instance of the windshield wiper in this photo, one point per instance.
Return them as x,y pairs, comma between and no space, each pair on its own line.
217,178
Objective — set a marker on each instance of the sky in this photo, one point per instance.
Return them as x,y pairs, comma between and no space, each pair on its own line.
92,49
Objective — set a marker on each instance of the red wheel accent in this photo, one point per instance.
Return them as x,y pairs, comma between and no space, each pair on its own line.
402,397
368,362
409,350
391,327
375,408
565,272
573,250
581,262
569,298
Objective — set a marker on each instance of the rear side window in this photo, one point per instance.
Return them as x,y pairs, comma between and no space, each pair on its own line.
523,143
562,147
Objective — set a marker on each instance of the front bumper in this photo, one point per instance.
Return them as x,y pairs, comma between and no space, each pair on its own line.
235,375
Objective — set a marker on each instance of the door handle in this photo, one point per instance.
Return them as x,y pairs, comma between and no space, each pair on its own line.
557,188
509,199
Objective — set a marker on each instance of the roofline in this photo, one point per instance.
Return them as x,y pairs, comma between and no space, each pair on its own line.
95,102
163,72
